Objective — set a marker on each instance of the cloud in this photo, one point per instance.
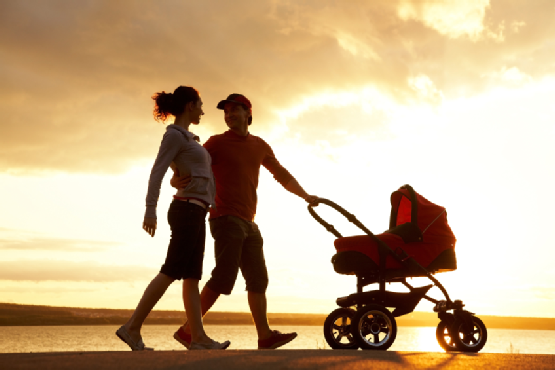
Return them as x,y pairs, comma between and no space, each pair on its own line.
77,77
33,287
545,292
55,270
55,244
22,240
338,116
451,18
426,89
511,77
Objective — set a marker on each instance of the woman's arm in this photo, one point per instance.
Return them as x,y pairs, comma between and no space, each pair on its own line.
149,225
171,143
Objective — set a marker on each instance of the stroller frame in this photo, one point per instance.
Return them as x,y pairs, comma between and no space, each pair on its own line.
363,327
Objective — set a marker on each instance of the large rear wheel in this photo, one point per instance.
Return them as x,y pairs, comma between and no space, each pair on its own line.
374,327
337,329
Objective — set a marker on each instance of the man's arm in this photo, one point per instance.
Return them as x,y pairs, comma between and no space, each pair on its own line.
294,187
284,177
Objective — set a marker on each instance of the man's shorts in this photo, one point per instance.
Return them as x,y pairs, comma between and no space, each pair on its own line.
186,250
238,245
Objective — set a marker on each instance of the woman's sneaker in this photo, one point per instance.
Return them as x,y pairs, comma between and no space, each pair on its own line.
124,335
182,337
276,340
213,345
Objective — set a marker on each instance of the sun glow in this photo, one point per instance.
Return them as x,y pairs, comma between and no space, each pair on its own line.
356,98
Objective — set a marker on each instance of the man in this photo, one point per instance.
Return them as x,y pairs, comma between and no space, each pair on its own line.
236,159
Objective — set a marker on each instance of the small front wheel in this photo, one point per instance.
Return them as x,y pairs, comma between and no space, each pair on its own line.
469,339
337,329
443,336
374,327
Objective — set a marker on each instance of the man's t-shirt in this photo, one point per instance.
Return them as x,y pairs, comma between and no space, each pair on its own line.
236,162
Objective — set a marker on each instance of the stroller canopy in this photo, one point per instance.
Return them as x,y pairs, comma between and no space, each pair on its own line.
409,206
416,226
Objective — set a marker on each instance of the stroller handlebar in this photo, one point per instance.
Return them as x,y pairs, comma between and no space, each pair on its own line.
341,210
383,247
320,220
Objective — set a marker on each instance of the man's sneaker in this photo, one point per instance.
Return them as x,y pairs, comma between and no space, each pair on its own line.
276,340
183,337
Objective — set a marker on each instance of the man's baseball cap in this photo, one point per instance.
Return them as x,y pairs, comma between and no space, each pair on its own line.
237,99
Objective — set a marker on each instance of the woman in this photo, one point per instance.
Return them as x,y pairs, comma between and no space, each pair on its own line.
186,216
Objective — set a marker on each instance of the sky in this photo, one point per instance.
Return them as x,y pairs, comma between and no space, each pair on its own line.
356,99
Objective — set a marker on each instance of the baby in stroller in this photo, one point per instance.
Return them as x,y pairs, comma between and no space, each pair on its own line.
419,243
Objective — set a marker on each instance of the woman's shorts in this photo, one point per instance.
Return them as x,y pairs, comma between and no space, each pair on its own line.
186,249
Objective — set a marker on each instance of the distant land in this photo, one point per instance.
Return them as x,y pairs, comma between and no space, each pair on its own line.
29,315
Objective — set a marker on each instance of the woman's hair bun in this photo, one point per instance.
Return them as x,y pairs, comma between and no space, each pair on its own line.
173,104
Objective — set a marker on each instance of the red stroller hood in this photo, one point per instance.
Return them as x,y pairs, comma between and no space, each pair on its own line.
407,206
432,238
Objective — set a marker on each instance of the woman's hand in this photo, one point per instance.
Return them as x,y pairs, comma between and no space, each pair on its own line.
149,225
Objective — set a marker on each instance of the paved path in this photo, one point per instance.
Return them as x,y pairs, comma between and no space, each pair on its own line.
272,360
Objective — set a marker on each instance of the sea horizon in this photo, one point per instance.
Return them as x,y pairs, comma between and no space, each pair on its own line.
14,314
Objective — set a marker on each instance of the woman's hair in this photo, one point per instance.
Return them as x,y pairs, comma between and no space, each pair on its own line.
172,104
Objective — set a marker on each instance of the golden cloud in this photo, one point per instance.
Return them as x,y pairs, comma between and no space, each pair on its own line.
57,270
77,76
451,18
55,244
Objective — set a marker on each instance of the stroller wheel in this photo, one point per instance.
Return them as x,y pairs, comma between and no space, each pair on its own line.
337,329
444,337
374,327
469,339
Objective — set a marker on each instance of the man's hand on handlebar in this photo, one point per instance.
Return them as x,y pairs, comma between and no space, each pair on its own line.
312,200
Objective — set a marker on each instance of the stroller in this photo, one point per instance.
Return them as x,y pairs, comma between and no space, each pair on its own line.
419,243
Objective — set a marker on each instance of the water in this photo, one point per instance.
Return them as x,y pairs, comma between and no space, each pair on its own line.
25,339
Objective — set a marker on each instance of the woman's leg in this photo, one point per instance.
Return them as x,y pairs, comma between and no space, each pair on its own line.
207,299
153,292
191,300
229,237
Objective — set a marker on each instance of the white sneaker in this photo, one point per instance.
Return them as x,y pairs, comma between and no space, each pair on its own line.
213,345
123,334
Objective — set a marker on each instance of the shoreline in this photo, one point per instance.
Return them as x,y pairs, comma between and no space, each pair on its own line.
12,314
272,359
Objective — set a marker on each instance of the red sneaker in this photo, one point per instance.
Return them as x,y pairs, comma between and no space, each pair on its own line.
276,340
182,337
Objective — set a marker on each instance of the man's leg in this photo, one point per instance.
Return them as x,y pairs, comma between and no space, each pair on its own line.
253,267
259,310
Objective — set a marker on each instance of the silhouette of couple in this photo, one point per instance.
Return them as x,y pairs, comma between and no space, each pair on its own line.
219,178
